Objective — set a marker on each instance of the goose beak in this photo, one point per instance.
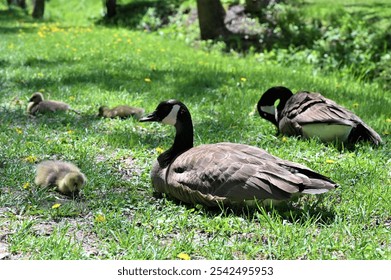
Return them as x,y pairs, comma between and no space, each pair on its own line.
152,117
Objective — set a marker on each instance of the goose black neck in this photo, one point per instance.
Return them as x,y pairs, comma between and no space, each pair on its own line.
283,94
183,139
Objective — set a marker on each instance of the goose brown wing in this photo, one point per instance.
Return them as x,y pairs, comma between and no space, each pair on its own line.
237,172
305,108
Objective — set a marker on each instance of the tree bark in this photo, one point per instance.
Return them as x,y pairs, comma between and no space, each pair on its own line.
39,8
20,3
211,16
255,6
111,8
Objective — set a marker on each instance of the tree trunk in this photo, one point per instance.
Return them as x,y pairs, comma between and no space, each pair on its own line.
255,6
211,16
111,6
39,8
22,4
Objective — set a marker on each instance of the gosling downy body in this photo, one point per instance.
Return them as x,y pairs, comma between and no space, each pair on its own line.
226,173
37,104
64,175
121,111
309,115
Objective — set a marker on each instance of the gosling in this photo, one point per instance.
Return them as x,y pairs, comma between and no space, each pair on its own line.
37,104
64,175
121,111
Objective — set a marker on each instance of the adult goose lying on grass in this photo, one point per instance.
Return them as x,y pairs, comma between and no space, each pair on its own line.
37,104
121,111
64,175
226,173
312,115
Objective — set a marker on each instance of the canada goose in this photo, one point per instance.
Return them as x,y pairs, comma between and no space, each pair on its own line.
121,111
225,173
37,104
64,175
312,115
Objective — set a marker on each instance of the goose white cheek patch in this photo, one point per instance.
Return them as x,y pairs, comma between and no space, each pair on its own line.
171,117
269,109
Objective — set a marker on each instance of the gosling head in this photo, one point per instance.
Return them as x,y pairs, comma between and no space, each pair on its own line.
36,97
72,183
168,112
101,110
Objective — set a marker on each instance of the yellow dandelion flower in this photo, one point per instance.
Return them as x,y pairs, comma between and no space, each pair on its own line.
147,80
100,218
242,79
355,105
284,139
159,150
183,256
18,130
55,29
330,161
41,34
72,98
57,205
129,41
26,185
30,159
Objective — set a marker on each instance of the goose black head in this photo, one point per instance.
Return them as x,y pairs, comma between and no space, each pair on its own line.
267,104
168,112
36,97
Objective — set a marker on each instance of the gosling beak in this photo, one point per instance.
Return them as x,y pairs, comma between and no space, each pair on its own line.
152,117
75,194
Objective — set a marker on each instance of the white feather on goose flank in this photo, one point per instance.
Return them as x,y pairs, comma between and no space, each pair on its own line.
225,173
309,114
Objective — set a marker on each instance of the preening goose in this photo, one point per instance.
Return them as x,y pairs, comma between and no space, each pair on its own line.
64,175
37,104
312,115
225,173
121,111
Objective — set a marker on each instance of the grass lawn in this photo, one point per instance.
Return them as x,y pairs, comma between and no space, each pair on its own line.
117,216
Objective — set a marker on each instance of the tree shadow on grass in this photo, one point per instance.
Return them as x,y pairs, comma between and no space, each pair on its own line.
12,16
286,212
